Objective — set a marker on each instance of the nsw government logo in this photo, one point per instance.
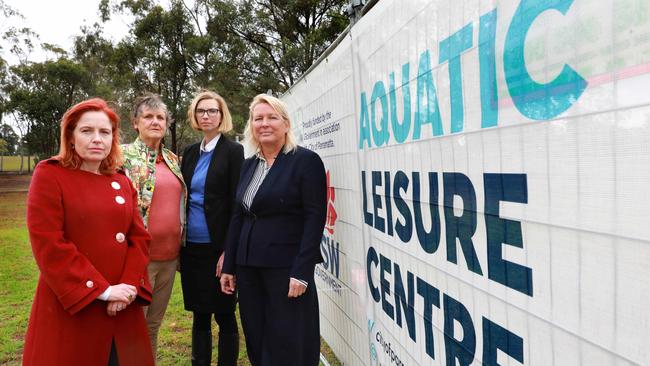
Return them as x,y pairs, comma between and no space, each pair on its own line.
329,270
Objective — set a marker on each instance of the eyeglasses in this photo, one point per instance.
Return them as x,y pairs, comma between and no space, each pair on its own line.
211,112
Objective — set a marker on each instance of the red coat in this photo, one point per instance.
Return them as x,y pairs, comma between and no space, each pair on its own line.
85,238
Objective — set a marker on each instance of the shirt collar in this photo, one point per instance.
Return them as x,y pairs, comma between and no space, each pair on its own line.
143,147
260,156
211,145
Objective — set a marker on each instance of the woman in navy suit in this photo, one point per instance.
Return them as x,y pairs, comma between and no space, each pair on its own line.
274,239
211,171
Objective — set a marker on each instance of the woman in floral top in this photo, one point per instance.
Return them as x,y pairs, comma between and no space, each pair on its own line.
156,177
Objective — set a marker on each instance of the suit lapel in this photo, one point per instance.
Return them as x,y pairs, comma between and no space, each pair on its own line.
215,162
247,174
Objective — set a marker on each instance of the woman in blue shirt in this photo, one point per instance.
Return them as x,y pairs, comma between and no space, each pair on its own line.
211,171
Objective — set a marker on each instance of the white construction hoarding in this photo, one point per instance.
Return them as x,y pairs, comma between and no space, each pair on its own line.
489,165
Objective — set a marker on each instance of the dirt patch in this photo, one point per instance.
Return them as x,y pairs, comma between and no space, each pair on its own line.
14,182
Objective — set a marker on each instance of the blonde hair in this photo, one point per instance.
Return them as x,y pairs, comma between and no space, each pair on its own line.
226,119
279,107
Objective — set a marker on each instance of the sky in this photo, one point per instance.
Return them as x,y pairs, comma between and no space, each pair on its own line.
57,22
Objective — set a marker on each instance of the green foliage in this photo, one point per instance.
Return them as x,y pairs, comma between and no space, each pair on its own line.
9,136
39,96
236,48
284,38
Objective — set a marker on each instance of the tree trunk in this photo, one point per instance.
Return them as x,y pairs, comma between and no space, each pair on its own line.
172,130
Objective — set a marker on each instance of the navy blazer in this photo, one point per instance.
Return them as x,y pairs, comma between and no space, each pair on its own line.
220,184
284,225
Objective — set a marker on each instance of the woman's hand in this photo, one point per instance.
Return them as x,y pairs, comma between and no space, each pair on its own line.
227,283
114,306
296,288
220,264
123,292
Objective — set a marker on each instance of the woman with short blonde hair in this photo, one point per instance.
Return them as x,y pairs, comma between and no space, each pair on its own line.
274,240
251,142
210,168
226,119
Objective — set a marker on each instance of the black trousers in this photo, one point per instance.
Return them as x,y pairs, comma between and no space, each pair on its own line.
280,331
112,358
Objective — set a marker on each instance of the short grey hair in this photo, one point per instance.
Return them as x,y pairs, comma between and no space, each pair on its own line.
151,101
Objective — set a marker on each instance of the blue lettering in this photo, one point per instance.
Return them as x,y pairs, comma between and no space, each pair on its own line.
431,297
461,350
389,207
323,250
384,267
429,241
367,216
402,304
380,223
372,258
496,337
508,188
405,230
462,227
333,257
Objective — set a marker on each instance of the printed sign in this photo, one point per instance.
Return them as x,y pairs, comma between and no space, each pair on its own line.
488,172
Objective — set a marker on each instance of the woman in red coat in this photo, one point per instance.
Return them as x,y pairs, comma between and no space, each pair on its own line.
91,248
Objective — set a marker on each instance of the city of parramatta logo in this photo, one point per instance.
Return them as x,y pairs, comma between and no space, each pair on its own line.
331,212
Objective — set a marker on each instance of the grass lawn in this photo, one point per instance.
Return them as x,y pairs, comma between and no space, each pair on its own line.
18,276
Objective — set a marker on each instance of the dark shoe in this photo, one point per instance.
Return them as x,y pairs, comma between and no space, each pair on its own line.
201,347
228,349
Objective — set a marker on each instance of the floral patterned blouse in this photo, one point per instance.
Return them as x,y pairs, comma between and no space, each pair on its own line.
140,167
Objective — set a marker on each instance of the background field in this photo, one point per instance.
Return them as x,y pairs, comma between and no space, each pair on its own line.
12,163
18,276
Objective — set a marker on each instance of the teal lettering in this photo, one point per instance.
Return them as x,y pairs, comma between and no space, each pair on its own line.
364,123
532,99
379,135
400,130
450,50
427,108
488,69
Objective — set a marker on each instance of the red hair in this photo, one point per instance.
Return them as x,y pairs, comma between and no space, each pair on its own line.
68,157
